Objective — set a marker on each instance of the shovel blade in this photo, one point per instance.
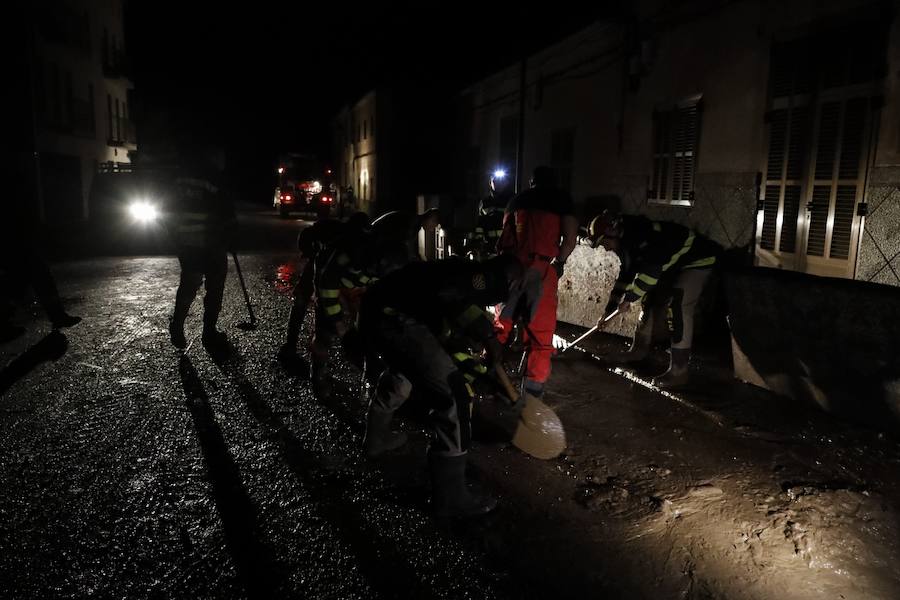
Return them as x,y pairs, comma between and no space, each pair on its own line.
539,432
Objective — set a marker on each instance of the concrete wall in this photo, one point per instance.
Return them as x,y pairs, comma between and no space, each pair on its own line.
832,342
581,83
605,82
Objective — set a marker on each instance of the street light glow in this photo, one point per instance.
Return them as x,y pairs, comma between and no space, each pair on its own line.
499,174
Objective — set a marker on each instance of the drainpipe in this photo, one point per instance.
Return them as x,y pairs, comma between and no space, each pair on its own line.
520,148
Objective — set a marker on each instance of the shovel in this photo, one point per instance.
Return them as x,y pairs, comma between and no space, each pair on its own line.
592,330
251,325
539,432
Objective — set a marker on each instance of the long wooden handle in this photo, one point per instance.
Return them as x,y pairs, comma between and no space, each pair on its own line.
506,383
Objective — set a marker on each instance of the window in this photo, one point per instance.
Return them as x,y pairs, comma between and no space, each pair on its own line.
109,116
822,90
91,109
55,94
562,153
365,129
118,122
69,102
676,133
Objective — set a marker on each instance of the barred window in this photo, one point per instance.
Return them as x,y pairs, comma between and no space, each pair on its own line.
676,135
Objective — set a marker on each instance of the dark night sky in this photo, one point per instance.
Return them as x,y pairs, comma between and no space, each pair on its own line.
260,77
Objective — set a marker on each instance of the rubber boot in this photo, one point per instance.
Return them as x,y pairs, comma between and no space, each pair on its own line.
379,437
640,345
678,374
533,388
59,318
213,338
176,333
451,496
323,386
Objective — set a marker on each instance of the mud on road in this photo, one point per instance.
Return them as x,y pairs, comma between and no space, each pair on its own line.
130,470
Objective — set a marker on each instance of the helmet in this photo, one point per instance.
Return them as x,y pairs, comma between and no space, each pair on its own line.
606,224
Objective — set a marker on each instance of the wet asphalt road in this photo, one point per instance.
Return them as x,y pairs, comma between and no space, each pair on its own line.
131,470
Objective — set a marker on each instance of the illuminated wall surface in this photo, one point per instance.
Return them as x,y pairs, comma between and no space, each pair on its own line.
603,106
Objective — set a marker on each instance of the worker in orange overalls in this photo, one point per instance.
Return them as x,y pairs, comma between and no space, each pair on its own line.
540,229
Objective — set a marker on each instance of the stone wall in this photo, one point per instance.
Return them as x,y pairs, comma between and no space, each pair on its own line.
585,288
879,253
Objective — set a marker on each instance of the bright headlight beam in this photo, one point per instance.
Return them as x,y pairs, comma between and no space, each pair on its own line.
143,212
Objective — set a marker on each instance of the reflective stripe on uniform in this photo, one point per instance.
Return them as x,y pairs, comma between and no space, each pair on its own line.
703,262
347,283
461,356
333,309
644,278
684,250
329,293
470,315
633,289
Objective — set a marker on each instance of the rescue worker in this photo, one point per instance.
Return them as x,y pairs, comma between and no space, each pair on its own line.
347,267
203,227
668,266
481,243
398,230
540,229
312,241
405,319
20,258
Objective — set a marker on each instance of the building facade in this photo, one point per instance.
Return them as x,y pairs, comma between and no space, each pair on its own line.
764,125
79,90
358,164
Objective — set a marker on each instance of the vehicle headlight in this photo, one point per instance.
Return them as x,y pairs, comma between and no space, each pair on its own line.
143,211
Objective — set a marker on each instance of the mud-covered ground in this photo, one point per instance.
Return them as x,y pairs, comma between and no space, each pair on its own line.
131,470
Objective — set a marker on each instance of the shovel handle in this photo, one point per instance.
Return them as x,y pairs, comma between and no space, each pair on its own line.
592,330
506,383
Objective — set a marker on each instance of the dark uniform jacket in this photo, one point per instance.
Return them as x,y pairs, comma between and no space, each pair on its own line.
656,251
439,294
201,214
